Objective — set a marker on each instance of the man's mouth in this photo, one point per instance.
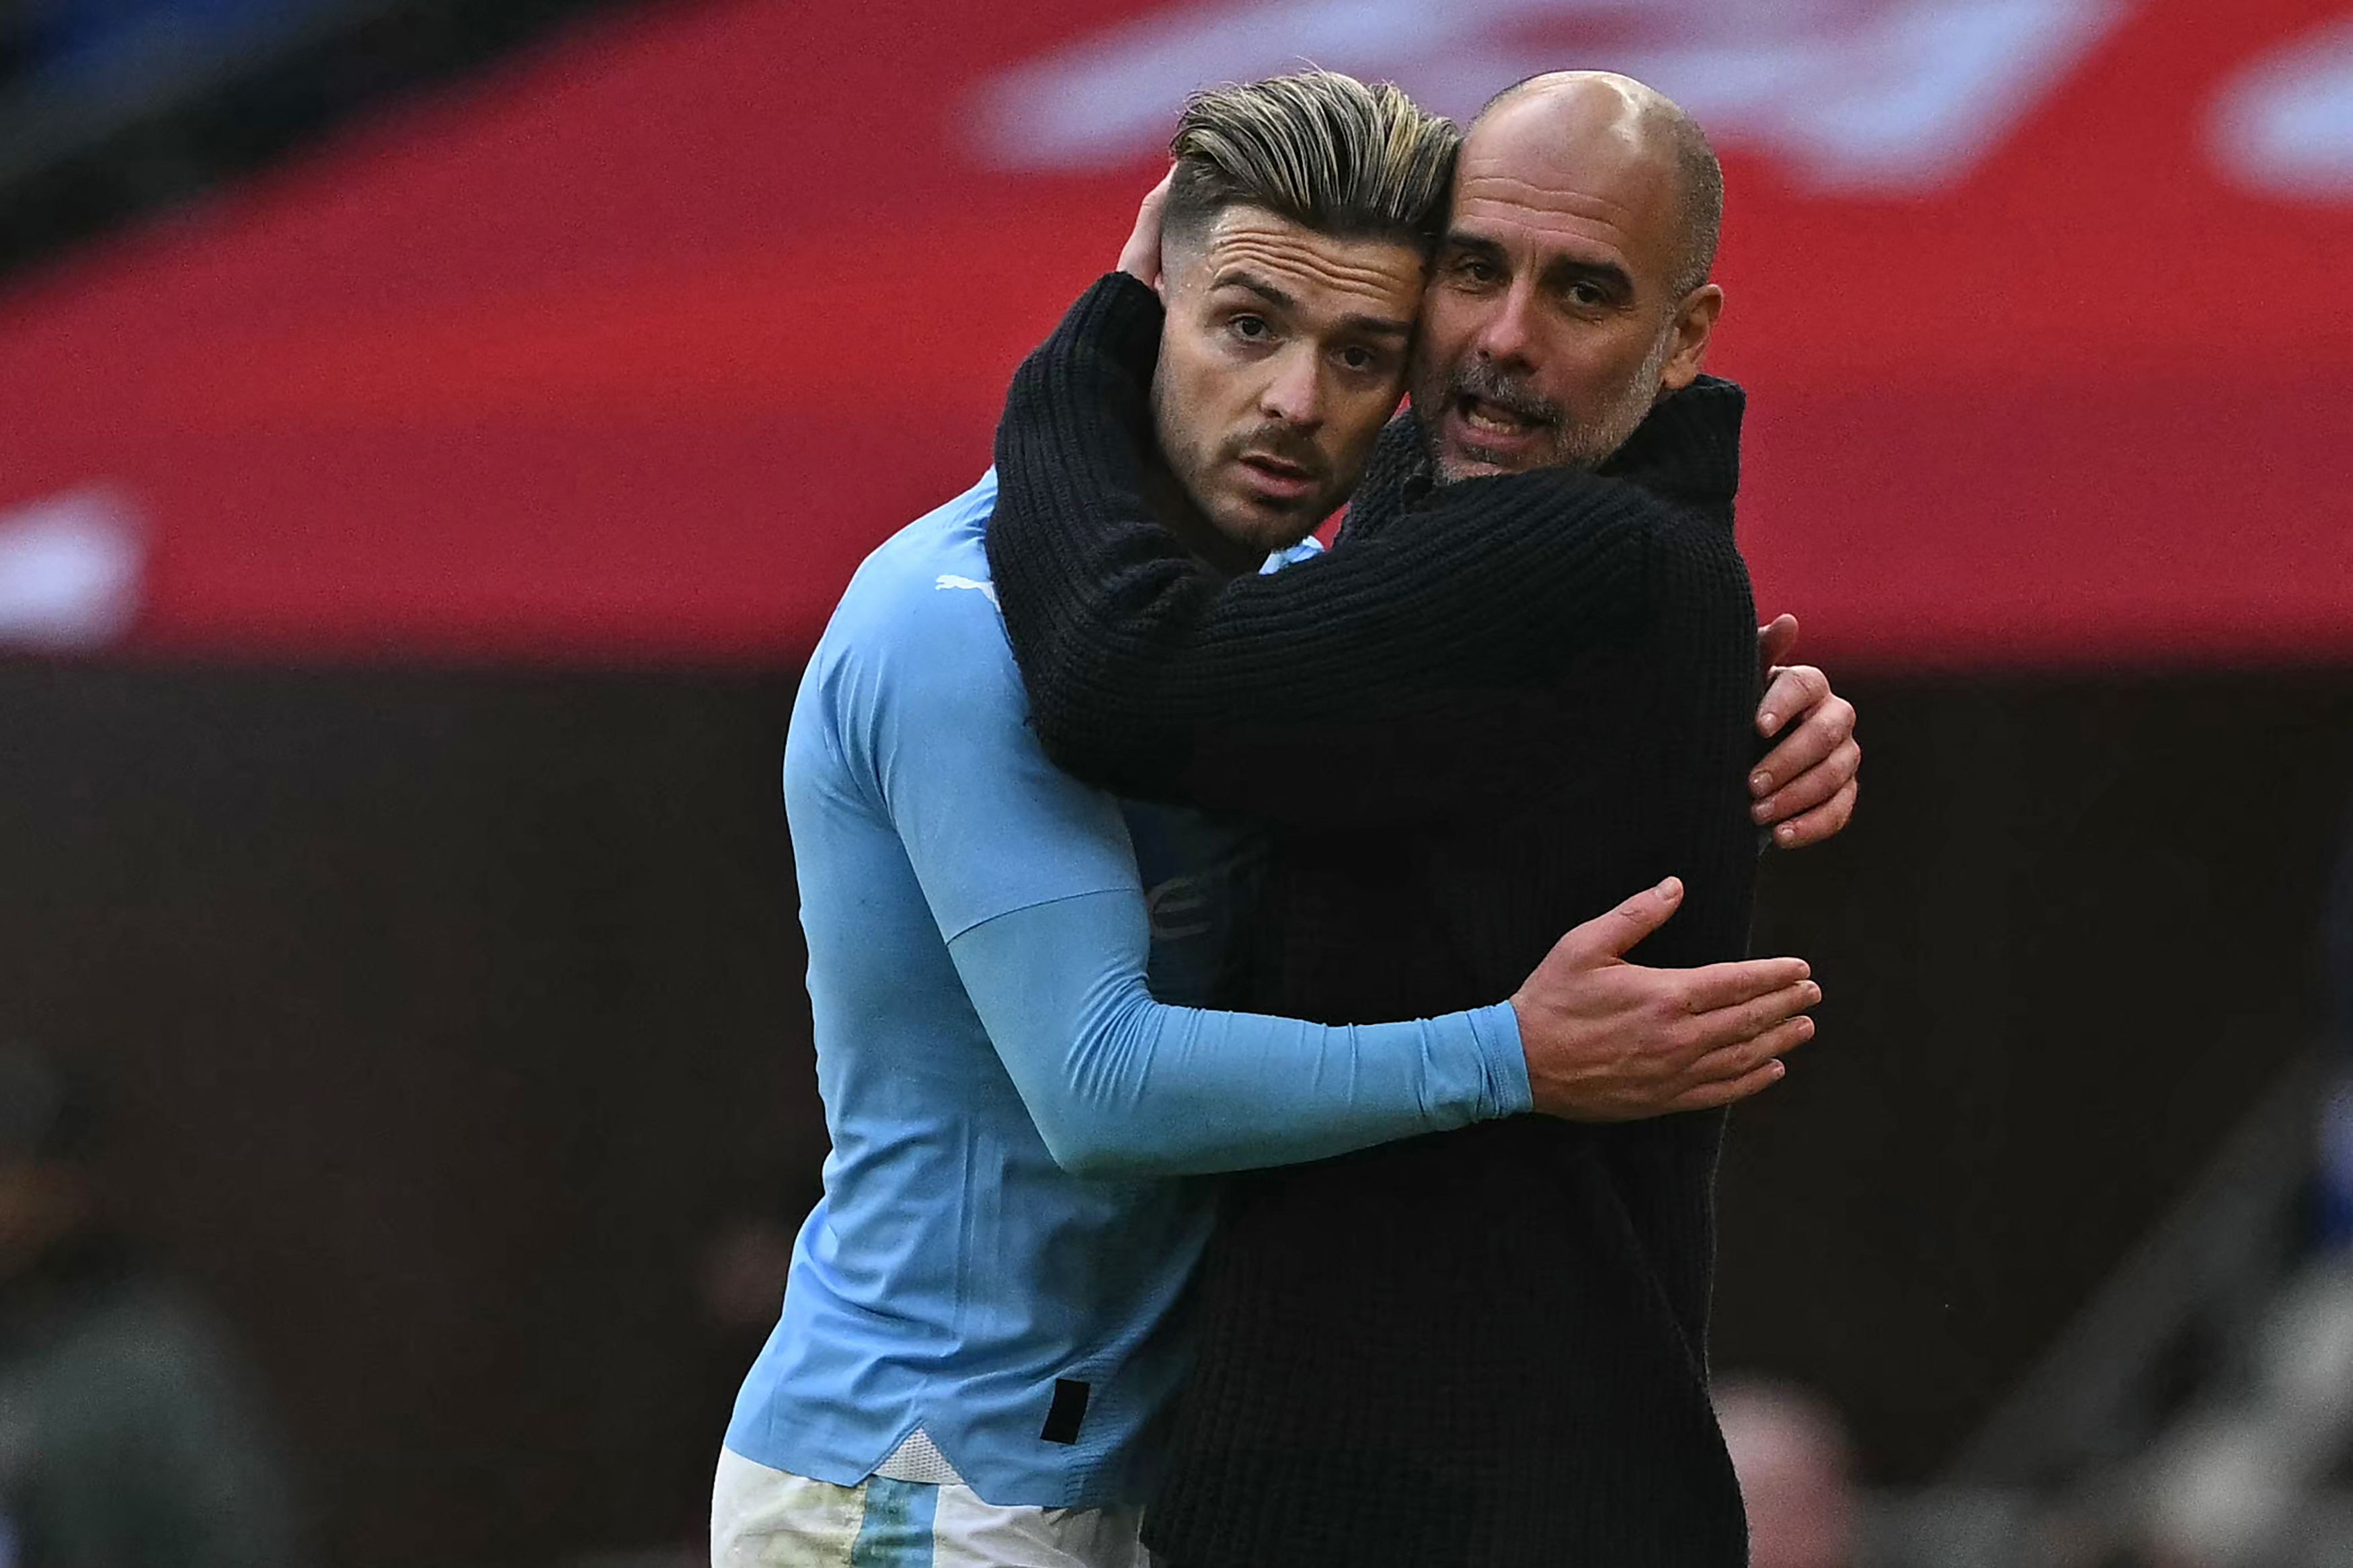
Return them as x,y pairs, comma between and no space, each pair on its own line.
1276,478
1487,420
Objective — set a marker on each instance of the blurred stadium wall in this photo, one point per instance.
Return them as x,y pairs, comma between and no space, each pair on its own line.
407,547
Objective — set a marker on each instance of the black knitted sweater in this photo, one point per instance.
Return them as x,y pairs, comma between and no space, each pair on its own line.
1492,711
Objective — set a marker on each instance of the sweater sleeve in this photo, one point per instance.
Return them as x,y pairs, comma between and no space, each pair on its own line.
1391,680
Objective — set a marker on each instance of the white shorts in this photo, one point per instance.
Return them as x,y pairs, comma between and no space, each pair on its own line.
762,1518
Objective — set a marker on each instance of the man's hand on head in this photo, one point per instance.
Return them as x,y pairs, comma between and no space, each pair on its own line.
1140,257
1805,789
1611,1041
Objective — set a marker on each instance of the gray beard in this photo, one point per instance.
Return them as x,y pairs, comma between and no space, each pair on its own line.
1591,444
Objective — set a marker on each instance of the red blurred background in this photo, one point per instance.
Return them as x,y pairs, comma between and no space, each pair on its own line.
638,354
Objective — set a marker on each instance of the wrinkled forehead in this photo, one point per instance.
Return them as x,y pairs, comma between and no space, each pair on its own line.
1315,273
1579,178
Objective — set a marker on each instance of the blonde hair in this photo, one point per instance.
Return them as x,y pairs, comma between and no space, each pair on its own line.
1321,149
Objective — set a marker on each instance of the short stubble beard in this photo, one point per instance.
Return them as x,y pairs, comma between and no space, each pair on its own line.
1584,443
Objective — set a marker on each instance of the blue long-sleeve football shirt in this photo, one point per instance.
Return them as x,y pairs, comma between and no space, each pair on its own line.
1013,1204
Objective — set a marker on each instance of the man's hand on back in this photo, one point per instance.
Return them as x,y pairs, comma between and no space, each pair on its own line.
1806,787
1613,1041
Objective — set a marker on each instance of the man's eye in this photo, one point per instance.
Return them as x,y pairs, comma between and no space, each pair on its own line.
1588,296
1251,329
1360,358
1471,269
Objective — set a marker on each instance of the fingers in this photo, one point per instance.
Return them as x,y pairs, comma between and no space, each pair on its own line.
1777,641
1823,730
1800,688
1618,932
1744,1057
1726,1091
1813,785
1140,258
1808,784
1740,1070
1738,1028
1722,985
1825,821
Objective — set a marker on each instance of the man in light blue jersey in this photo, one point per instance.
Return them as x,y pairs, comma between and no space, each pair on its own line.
984,1324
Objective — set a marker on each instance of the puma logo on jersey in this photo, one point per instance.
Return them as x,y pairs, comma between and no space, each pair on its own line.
950,580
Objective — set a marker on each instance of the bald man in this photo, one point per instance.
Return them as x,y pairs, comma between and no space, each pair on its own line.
1520,686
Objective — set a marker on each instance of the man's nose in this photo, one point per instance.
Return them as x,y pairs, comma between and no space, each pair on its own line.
1505,335
1295,395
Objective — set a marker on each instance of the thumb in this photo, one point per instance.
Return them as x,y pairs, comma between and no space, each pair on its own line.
1613,935
1774,643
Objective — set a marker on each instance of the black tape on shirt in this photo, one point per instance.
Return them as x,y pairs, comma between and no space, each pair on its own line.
1070,1408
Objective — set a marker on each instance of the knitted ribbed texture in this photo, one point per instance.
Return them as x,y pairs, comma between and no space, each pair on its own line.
1494,710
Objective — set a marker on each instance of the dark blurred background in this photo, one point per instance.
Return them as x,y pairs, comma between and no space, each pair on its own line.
432,433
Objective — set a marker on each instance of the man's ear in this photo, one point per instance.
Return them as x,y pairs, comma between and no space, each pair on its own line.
1695,319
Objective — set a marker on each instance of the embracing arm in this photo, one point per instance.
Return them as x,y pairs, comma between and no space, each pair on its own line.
1385,682
1121,1085
1032,883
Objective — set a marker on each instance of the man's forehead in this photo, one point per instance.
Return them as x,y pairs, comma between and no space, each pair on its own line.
1570,177
1247,243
